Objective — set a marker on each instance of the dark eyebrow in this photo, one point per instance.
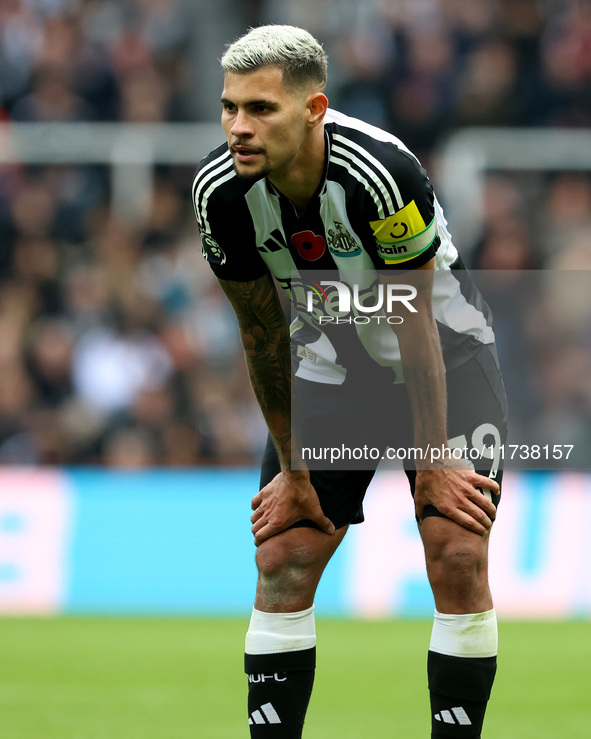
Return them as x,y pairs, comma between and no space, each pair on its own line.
251,103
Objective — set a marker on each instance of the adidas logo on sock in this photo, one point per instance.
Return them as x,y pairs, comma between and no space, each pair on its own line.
461,717
265,714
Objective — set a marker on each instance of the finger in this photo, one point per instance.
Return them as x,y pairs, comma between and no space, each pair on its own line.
325,524
262,535
483,518
481,507
266,531
259,524
257,500
470,510
483,502
419,509
469,522
317,516
258,513
482,481
477,505
470,517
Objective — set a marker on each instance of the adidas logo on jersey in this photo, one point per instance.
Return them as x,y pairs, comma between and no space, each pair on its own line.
461,717
275,242
266,714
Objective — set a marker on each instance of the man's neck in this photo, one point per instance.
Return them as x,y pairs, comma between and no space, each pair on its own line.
301,180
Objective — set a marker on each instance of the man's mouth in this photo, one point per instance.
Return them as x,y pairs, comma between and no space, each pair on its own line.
244,153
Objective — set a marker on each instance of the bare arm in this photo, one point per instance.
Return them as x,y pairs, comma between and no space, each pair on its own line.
265,336
452,491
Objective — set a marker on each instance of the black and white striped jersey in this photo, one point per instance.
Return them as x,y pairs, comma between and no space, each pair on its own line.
374,211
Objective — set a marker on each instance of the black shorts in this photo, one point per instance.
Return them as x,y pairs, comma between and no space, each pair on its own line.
374,415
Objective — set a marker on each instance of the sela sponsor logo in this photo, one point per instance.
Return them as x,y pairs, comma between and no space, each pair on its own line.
391,251
403,235
212,251
332,301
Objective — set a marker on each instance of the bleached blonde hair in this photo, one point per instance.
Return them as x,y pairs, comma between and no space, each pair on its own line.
293,50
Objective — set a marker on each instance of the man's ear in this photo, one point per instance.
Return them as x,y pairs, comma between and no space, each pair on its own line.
317,104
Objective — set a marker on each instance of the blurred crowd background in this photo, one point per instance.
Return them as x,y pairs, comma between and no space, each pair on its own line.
116,345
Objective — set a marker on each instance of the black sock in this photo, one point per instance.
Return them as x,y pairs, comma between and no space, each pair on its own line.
279,689
460,688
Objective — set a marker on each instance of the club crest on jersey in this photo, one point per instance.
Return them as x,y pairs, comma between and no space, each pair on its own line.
212,251
341,243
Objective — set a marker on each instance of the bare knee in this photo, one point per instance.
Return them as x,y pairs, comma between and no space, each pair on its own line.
277,558
290,566
288,575
457,565
457,557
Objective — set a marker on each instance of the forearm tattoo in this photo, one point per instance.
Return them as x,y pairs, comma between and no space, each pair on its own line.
265,337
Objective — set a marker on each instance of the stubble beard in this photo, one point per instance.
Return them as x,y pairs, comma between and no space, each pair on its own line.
254,176
260,174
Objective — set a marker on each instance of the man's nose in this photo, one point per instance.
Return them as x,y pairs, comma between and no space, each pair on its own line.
242,125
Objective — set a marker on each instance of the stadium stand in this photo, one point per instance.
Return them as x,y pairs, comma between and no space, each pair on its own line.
117,346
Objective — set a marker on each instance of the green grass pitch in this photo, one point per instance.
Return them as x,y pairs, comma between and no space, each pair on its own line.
113,678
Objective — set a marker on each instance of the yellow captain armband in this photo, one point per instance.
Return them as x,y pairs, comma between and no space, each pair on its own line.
404,235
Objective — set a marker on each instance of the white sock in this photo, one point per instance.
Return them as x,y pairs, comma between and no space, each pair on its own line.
465,634
270,633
